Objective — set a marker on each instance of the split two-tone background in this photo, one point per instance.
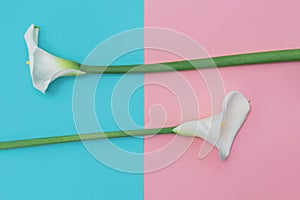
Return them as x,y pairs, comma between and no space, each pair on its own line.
265,161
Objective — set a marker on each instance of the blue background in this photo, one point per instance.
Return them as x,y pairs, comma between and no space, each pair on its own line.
70,29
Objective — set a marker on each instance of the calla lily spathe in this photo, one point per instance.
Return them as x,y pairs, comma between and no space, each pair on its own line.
220,129
45,67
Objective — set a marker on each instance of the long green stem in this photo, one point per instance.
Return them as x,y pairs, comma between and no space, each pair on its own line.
81,137
222,61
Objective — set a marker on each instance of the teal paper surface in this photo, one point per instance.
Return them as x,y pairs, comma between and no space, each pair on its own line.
70,29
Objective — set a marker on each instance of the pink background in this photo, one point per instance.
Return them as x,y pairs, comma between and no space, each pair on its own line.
265,158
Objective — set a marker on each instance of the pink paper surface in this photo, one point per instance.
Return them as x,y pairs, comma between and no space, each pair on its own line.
265,159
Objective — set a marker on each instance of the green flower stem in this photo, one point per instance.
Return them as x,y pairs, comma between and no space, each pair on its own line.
81,137
222,61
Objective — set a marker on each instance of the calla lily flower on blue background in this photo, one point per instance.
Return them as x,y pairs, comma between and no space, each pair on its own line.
45,67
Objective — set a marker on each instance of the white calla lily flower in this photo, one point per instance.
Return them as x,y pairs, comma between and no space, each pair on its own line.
219,129
45,67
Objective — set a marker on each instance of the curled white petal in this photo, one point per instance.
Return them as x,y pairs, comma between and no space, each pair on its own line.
220,129
45,67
